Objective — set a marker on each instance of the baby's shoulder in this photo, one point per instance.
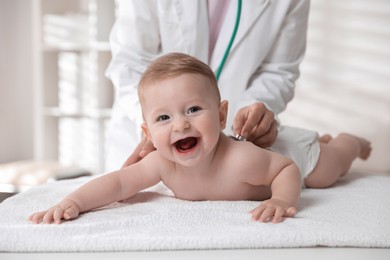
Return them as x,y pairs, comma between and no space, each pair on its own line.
247,150
155,159
240,156
243,160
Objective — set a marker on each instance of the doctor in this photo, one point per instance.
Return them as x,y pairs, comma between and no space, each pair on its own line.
258,77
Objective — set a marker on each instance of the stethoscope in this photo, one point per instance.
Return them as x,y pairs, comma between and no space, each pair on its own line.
226,54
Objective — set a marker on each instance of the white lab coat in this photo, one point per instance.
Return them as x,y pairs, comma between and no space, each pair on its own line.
262,64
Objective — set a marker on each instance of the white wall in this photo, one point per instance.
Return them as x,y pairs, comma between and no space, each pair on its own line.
345,76
16,97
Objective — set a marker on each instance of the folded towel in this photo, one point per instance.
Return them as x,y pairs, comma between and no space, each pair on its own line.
355,213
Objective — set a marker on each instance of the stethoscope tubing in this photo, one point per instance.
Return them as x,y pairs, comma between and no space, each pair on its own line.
227,51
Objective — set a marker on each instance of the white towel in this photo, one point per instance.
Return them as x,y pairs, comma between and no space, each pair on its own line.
354,213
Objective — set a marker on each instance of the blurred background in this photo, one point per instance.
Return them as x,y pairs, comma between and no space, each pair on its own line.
55,101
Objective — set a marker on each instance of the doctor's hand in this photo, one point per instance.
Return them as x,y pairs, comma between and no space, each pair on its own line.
142,149
257,124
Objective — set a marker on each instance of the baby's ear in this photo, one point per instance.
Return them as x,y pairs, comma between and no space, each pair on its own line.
223,111
145,130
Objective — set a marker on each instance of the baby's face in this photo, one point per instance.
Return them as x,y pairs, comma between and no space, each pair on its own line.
183,117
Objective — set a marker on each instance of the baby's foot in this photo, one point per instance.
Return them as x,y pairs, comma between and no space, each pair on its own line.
365,147
325,138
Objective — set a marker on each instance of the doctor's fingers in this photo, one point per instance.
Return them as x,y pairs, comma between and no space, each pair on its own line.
268,139
147,148
263,125
247,118
257,120
135,155
262,130
239,121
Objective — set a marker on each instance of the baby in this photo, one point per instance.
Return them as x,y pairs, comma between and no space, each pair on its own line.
184,118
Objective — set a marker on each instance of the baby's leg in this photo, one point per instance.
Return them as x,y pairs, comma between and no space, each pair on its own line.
336,157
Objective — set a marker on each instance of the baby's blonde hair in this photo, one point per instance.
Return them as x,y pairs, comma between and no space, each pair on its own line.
173,65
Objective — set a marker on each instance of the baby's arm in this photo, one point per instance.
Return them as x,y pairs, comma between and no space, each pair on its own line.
286,190
283,177
102,191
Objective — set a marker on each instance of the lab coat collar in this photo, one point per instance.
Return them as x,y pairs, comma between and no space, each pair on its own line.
193,14
250,12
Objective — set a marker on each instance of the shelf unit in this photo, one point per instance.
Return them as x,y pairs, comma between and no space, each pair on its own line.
73,97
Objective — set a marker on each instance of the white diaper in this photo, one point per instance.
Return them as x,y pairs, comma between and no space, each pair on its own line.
300,145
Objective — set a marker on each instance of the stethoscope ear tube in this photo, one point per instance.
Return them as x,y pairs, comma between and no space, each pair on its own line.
226,54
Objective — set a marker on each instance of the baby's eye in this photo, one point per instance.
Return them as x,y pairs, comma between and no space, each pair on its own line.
162,118
193,109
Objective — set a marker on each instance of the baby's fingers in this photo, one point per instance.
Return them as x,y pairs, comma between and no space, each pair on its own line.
262,213
58,215
37,218
256,212
290,212
70,213
48,217
267,214
274,213
279,212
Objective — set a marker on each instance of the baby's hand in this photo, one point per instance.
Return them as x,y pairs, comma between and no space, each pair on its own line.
273,209
66,209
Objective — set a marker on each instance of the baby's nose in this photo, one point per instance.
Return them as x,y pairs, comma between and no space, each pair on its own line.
181,124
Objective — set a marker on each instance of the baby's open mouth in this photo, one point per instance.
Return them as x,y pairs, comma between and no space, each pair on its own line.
186,144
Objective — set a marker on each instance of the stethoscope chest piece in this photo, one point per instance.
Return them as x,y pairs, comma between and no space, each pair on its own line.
238,137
